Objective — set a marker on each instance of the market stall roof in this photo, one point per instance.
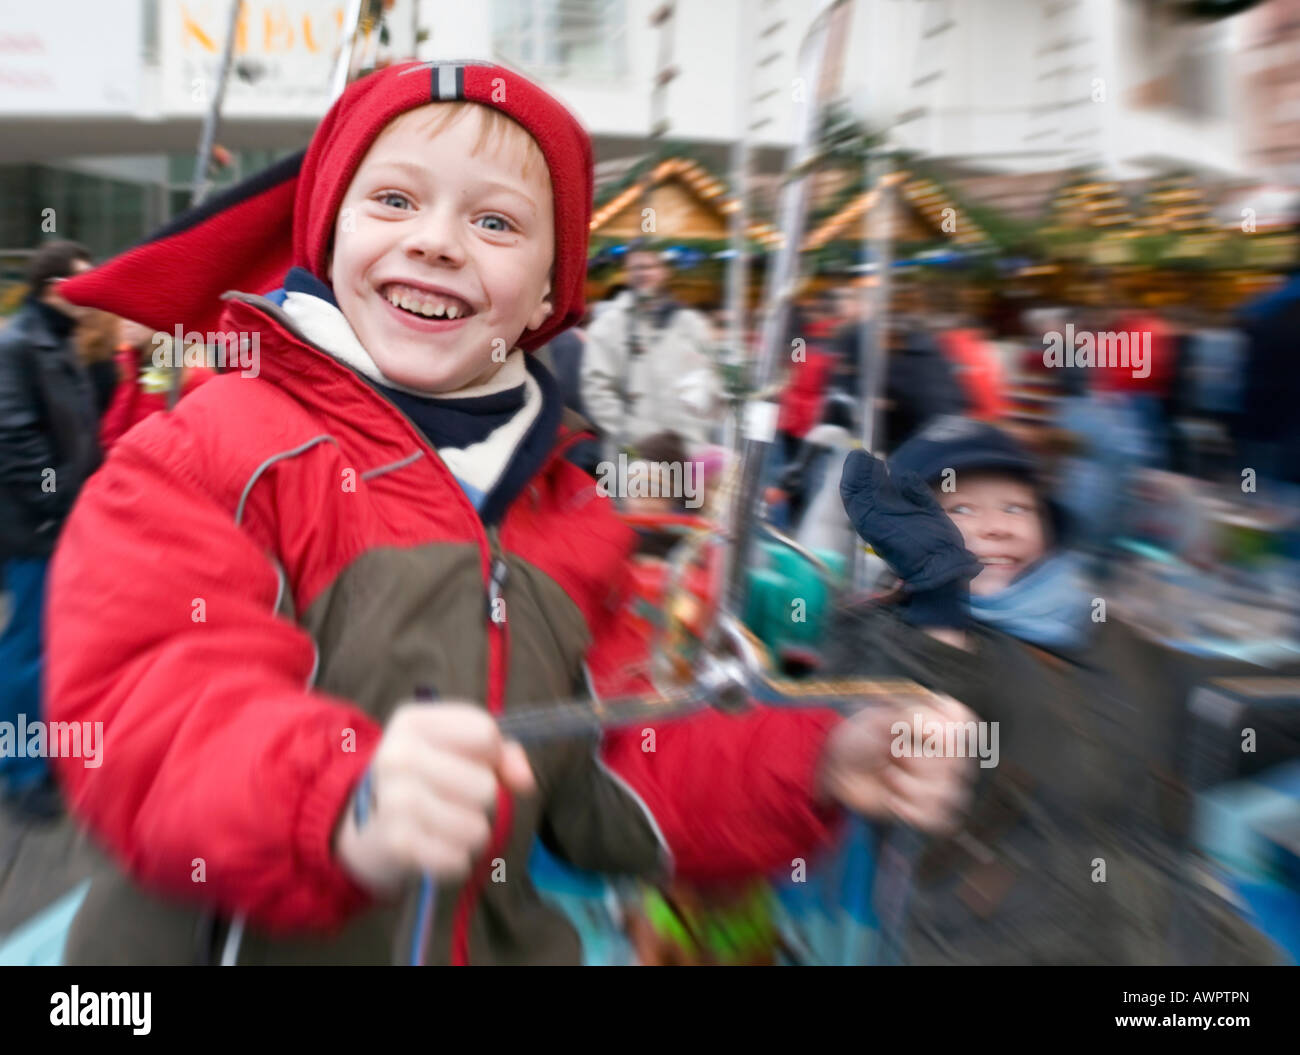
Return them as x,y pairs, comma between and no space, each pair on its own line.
689,202
929,211
1024,196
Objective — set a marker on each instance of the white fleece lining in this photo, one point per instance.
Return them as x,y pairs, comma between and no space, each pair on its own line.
481,464
328,328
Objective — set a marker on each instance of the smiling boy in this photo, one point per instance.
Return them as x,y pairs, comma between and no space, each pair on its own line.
408,283
256,587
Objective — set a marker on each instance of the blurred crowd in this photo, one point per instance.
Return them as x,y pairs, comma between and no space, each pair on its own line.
1170,494
1138,532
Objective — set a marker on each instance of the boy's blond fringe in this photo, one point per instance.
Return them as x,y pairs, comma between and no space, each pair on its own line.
495,127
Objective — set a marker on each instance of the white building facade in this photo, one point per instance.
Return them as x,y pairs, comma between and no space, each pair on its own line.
101,101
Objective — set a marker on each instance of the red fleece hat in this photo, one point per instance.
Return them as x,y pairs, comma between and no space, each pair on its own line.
247,237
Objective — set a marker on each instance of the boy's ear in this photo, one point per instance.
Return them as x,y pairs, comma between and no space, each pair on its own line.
543,310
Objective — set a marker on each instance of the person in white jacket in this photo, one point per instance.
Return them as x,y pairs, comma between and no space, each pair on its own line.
647,366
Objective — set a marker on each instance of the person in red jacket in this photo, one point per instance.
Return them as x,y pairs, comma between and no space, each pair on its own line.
978,370
256,592
142,389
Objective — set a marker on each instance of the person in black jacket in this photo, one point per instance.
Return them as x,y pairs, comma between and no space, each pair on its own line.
565,351
48,448
1267,430
919,381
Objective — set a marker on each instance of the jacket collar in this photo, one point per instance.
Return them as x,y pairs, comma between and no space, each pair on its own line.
47,326
337,393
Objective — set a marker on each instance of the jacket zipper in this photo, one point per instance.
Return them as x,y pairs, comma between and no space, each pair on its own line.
498,572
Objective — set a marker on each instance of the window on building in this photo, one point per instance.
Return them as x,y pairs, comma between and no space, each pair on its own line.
567,38
1200,75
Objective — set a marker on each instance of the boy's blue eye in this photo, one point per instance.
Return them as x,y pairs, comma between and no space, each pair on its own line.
505,225
394,199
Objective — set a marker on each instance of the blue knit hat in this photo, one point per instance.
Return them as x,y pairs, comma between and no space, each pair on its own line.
958,443
950,442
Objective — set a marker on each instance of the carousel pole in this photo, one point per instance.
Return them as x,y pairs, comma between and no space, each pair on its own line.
759,427
661,18
738,265
203,159
665,71
873,341
347,46
212,119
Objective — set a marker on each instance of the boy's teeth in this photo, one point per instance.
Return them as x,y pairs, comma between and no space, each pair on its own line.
417,305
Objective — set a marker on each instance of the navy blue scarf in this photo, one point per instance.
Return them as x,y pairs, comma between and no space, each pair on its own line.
460,423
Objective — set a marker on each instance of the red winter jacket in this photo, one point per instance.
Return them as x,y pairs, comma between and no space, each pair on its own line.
978,370
250,586
805,389
1153,336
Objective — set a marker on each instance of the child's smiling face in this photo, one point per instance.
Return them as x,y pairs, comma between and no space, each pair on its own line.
1001,523
443,248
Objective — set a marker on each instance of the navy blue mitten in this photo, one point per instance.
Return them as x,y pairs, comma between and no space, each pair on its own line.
899,517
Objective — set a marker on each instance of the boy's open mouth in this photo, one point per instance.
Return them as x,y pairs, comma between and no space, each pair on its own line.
1001,565
425,303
